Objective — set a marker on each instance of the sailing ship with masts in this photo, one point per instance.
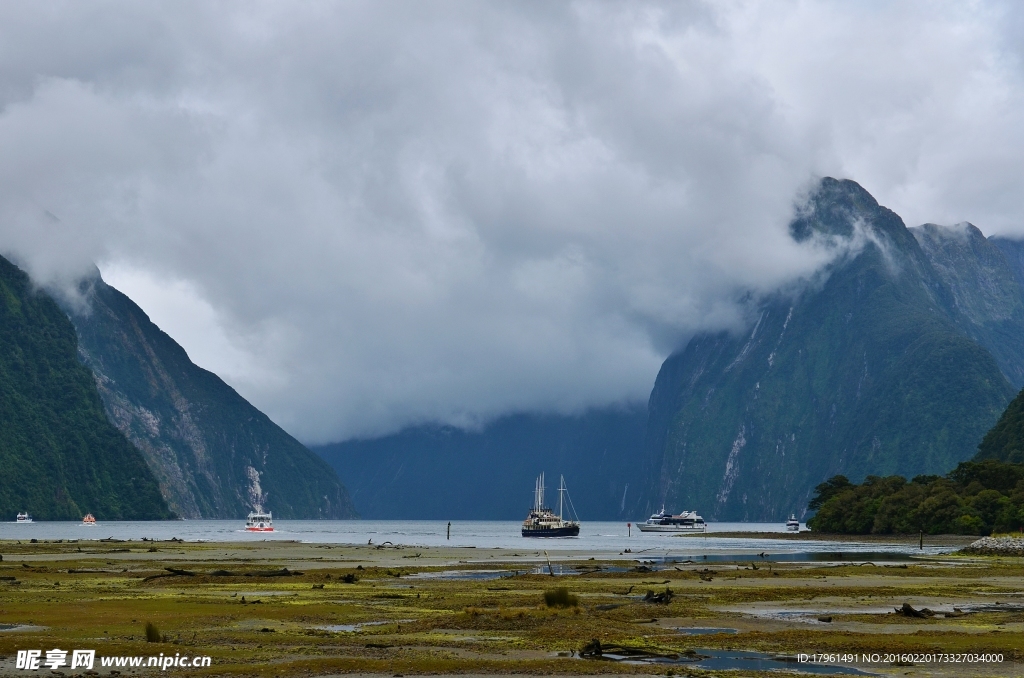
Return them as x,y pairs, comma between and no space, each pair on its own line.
542,521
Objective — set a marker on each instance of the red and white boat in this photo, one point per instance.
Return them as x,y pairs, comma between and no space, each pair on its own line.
89,520
258,521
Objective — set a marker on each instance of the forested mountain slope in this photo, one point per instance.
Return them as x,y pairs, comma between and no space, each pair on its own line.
61,457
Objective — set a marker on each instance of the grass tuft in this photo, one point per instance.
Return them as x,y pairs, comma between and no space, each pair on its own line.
152,633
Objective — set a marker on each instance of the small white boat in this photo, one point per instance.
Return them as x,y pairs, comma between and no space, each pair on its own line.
793,525
89,520
258,521
24,517
687,521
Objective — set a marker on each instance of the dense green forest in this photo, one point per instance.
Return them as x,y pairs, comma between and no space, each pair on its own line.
60,456
977,497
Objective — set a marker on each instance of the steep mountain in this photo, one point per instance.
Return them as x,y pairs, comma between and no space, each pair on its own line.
445,473
60,456
881,366
213,454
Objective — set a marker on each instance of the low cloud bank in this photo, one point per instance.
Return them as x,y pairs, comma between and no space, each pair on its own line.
369,215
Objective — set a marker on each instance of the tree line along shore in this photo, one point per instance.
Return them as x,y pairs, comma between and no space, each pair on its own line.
977,498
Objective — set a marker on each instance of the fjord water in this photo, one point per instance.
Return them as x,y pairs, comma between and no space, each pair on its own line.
595,537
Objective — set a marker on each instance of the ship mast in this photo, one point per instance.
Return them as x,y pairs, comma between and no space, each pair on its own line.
561,489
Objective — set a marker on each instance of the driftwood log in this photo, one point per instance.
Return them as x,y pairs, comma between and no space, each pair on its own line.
659,598
908,611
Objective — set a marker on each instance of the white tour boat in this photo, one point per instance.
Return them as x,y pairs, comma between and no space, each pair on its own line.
687,521
258,521
793,525
23,517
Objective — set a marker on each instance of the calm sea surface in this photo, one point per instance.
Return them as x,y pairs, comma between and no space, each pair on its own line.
600,537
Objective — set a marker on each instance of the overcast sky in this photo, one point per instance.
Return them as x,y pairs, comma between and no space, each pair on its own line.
367,215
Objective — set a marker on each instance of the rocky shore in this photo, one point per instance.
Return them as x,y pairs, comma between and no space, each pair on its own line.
996,546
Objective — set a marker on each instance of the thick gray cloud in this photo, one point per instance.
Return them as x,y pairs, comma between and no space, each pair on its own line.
365,215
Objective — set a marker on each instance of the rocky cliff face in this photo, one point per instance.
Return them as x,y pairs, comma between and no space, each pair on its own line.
213,454
897,360
60,457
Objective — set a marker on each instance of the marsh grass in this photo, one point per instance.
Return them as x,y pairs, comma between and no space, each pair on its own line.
470,626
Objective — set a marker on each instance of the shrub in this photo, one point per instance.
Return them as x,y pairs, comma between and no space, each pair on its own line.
152,633
560,597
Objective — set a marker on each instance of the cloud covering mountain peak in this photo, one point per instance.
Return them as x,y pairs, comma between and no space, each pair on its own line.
365,216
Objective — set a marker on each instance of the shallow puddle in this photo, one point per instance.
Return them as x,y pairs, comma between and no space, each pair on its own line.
804,615
469,575
14,628
726,660
354,628
703,631
852,557
990,607
560,570
745,660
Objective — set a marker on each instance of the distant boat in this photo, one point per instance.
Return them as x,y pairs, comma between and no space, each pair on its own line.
687,521
258,521
23,517
542,521
88,520
793,525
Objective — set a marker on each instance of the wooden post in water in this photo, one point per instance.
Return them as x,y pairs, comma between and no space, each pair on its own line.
449,529
629,529
920,544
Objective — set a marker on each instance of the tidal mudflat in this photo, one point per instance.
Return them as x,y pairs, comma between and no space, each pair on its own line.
294,609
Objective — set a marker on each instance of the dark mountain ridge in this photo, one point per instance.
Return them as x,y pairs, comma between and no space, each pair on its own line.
444,473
